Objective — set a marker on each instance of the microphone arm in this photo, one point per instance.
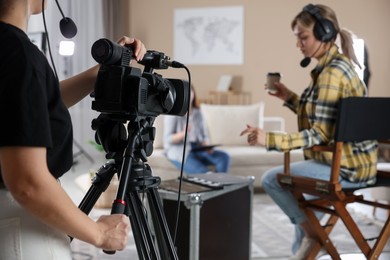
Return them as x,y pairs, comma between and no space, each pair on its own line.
59,8
306,61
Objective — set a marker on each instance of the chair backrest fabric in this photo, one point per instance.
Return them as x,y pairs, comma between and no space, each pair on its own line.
363,118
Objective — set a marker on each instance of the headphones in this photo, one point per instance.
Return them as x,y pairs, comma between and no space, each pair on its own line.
324,29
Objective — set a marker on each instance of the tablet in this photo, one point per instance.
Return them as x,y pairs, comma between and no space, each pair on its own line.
205,147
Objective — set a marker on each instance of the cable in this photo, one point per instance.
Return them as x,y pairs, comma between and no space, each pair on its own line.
183,158
59,8
48,41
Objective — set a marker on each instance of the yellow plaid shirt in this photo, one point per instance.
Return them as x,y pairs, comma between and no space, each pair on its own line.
333,78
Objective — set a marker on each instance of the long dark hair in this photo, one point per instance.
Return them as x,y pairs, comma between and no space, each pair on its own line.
195,102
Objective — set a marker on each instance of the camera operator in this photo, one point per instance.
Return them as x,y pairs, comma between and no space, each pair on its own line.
36,148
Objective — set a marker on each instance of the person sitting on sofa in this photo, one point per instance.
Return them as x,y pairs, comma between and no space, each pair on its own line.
199,157
333,78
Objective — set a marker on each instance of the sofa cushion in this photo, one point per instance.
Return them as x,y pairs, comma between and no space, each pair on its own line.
245,161
242,156
222,131
225,122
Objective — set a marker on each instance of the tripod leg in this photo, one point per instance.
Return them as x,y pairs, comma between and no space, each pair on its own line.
164,239
142,234
99,185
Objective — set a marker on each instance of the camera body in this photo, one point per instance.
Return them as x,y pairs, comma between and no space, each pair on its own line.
127,91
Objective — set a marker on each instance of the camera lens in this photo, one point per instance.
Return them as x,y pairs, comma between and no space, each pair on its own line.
106,52
101,50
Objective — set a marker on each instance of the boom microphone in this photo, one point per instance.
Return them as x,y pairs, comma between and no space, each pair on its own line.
306,61
67,27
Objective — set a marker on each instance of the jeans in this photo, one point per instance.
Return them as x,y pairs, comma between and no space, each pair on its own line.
199,162
23,237
286,201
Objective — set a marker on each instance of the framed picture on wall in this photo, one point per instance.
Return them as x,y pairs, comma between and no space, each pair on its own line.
209,36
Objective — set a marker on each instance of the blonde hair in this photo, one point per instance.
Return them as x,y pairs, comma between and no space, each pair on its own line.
305,19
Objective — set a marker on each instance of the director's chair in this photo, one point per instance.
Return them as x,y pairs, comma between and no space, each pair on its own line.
359,118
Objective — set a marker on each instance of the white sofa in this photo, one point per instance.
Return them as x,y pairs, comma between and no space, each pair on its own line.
225,122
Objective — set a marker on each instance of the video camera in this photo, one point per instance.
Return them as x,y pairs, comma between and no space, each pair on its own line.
125,95
126,91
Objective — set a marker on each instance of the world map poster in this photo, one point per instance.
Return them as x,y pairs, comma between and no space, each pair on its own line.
209,36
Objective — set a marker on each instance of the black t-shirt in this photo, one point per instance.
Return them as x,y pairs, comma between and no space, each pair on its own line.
32,112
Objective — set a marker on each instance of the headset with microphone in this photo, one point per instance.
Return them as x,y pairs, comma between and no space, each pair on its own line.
306,61
67,27
323,30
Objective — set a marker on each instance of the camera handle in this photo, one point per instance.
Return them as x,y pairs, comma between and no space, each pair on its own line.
135,178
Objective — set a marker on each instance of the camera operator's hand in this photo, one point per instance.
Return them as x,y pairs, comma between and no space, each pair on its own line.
114,231
138,47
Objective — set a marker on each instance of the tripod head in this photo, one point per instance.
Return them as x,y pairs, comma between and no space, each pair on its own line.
129,150
111,133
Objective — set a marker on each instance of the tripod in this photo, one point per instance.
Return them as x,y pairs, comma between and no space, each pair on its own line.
135,178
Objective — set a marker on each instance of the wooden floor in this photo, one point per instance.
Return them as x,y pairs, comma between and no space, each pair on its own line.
383,256
261,200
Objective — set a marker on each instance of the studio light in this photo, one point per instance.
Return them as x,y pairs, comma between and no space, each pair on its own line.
66,48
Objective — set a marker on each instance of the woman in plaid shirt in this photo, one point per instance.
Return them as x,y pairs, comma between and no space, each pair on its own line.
333,78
